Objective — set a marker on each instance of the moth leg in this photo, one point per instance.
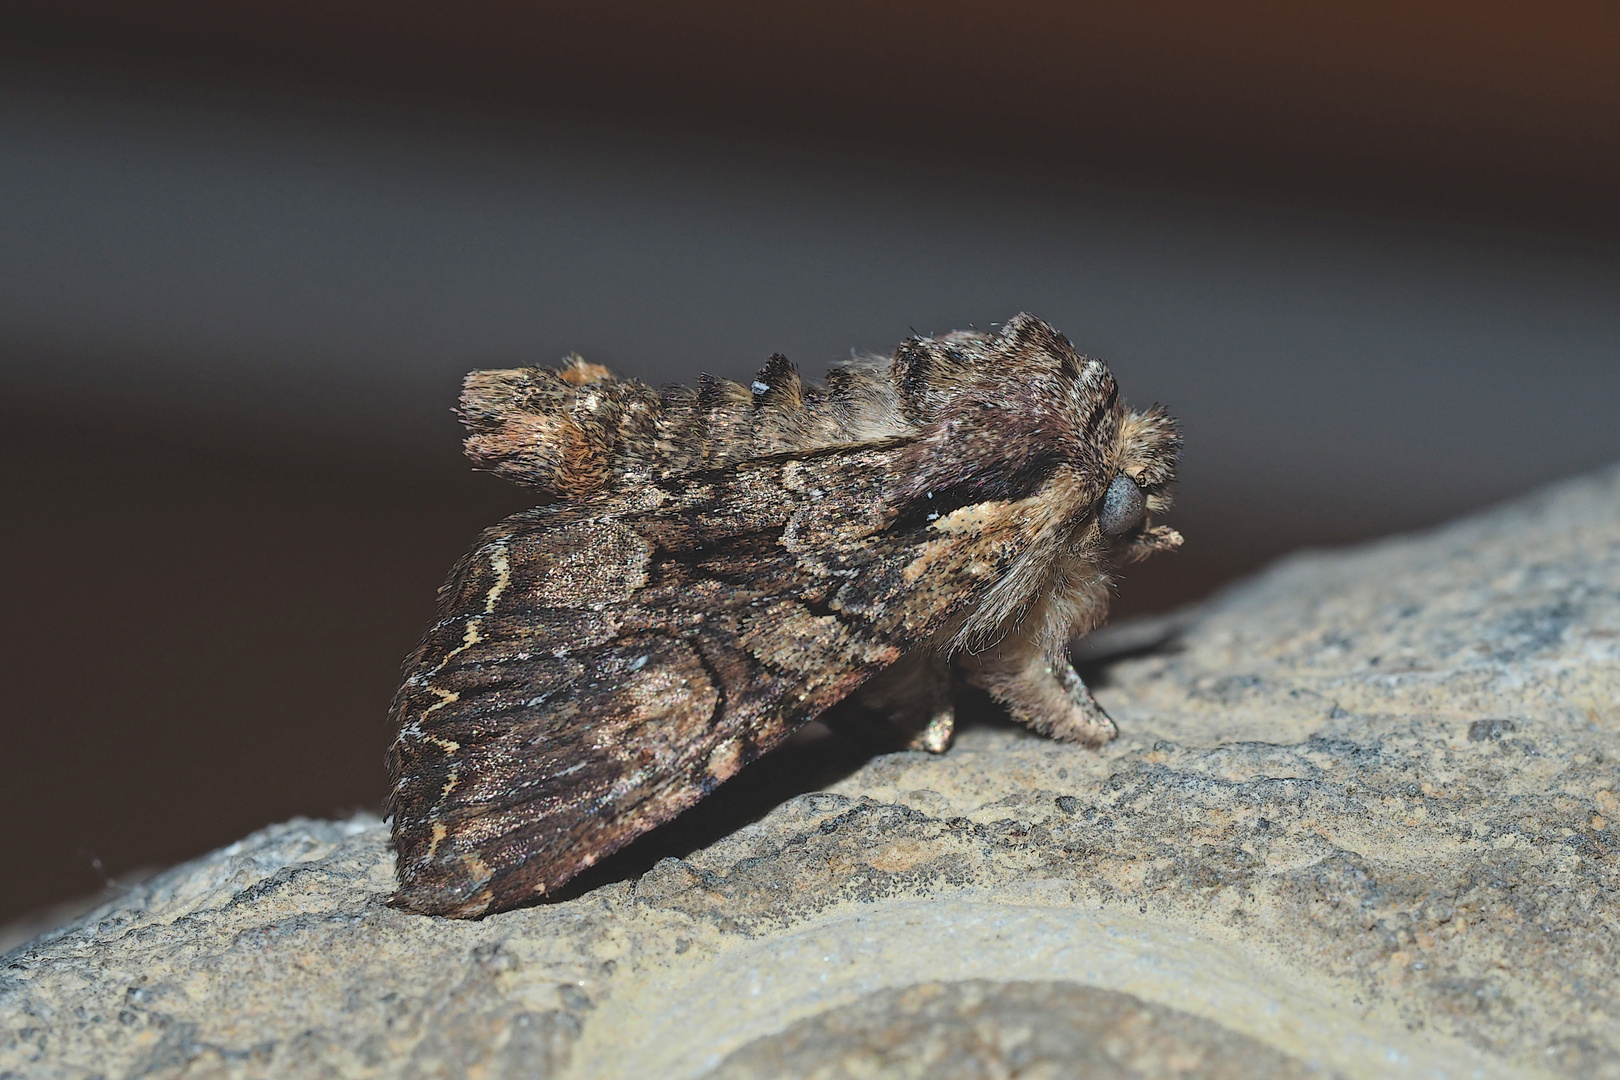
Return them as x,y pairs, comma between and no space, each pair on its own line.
936,735
1040,689
908,705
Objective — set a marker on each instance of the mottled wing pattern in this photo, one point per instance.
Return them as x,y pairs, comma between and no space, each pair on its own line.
602,664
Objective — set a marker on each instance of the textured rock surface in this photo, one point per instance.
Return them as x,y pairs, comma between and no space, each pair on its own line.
1362,821
972,1029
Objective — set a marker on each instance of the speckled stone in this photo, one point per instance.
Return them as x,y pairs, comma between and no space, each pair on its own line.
981,1030
1360,821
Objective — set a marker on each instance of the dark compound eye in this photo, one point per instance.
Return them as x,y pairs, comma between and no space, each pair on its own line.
1122,507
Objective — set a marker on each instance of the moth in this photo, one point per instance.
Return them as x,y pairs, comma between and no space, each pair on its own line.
712,568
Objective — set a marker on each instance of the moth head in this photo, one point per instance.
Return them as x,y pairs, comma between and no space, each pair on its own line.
1144,467
1019,414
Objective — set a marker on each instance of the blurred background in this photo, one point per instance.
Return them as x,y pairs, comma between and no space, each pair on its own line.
1366,251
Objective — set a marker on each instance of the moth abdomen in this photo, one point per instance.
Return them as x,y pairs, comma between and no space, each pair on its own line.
563,431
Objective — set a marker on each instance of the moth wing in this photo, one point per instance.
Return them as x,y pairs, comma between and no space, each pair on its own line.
600,666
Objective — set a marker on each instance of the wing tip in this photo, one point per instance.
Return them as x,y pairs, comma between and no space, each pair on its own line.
444,889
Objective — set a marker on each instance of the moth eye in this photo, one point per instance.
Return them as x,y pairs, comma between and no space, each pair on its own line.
1122,507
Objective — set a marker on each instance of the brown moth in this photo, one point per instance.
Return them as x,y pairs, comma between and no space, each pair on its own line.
717,567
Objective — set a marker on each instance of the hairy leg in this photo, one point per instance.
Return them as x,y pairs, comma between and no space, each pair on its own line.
1040,689
907,706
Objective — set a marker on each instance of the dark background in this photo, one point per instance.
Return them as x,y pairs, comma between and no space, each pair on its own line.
1366,251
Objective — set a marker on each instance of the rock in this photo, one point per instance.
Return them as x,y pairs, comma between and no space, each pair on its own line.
1361,821
976,1028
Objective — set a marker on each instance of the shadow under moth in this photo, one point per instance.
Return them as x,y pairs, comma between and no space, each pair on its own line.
716,567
